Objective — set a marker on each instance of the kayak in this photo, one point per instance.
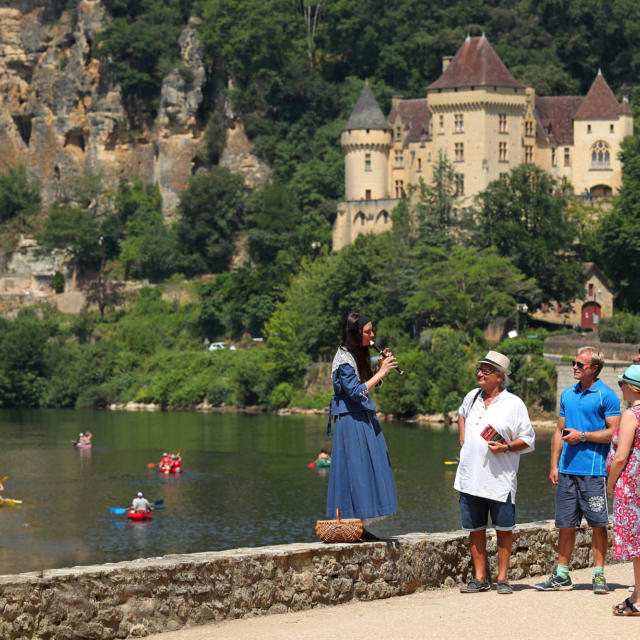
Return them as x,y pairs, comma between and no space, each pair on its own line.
9,502
177,469
83,445
132,514
323,463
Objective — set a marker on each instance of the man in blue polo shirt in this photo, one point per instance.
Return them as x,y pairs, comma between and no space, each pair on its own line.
589,416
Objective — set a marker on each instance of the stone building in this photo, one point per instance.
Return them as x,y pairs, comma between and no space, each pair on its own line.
486,123
596,303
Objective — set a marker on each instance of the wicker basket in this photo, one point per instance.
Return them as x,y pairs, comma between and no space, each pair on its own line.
349,530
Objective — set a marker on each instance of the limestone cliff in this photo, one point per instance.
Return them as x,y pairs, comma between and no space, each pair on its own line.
62,114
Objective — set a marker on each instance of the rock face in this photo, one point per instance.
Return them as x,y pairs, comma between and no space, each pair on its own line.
62,114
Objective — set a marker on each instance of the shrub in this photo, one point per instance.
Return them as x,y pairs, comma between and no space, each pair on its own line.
281,396
621,327
219,392
58,282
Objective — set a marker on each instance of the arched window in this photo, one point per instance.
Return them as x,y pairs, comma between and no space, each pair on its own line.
600,155
359,219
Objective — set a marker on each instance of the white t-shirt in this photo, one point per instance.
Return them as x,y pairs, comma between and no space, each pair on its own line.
481,472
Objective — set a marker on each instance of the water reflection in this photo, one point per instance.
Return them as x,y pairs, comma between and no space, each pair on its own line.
246,483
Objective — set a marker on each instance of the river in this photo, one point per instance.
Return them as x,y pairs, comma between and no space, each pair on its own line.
246,483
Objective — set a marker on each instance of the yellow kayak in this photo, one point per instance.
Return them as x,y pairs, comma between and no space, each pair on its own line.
9,502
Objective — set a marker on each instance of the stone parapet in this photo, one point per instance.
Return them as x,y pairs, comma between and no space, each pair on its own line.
134,599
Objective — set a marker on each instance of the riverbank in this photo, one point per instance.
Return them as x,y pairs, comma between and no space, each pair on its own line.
545,422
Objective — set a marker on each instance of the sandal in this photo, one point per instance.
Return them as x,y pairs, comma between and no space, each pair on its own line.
475,586
504,587
626,608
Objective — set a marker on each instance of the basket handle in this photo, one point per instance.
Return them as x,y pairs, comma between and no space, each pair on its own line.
338,515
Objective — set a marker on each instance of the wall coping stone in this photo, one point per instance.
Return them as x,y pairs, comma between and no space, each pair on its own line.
150,595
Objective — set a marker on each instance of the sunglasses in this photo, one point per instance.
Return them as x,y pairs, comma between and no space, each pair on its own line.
620,383
486,372
580,365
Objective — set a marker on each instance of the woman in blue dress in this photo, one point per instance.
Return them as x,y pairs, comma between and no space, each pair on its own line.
361,480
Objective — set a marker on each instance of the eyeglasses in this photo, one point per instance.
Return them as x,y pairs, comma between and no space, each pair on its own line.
580,365
486,372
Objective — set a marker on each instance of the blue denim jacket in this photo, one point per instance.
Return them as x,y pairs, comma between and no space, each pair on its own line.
349,394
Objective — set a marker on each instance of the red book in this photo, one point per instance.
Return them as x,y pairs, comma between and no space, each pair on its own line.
491,435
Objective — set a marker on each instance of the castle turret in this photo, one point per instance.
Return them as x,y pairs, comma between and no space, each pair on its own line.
366,140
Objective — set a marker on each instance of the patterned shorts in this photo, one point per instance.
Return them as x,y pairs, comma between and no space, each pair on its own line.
578,496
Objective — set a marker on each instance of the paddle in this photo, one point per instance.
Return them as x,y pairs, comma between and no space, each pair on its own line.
150,465
451,462
122,510
312,465
4,479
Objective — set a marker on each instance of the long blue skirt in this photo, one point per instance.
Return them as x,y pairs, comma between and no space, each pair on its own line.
361,479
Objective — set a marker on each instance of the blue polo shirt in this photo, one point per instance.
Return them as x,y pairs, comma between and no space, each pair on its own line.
586,410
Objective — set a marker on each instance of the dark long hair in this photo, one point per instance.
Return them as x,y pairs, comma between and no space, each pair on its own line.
352,341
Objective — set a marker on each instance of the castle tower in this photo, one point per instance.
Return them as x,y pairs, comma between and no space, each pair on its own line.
366,140
477,110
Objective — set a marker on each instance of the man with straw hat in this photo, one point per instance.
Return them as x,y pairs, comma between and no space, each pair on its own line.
494,430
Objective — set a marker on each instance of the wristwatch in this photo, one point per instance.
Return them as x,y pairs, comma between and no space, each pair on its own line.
508,446
583,436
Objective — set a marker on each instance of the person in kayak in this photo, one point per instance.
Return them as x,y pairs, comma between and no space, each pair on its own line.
140,503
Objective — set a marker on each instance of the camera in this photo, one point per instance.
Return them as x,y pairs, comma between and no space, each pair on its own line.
565,432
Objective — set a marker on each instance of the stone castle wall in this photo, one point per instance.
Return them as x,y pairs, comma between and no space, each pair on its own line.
134,599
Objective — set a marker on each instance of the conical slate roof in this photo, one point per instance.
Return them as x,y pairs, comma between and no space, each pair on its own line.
476,65
599,103
367,113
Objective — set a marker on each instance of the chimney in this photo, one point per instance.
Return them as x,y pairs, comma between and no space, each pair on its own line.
445,62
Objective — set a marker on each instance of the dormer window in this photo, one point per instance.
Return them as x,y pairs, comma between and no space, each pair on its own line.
398,133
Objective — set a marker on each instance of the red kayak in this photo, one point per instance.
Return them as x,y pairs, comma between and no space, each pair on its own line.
177,469
132,514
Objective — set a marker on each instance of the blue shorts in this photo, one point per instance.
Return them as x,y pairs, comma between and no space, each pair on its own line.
475,513
578,496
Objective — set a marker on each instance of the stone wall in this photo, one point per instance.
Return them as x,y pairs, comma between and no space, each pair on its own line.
133,599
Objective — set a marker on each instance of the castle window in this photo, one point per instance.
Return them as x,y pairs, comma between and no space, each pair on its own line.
528,154
554,160
367,162
419,164
459,151
600,155
441,124
399,159
459,182
399,185
528,128
502,151
588,128
502,122
367,194
567,157
611,128
398,133
458,119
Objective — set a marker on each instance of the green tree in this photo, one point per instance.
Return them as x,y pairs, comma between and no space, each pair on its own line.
72,229
620,228
524,217
464,289
19,196
211,214
434,209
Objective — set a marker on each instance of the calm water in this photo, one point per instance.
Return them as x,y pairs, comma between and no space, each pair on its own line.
246,483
